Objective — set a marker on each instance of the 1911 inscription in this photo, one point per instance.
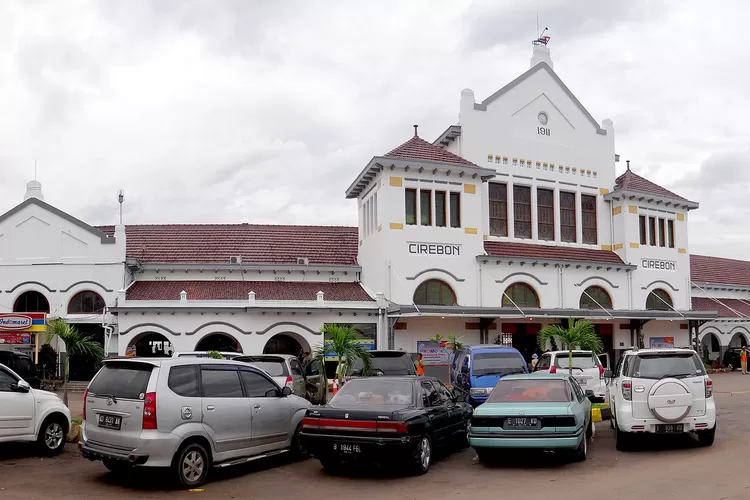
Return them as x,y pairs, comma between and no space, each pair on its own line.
543,131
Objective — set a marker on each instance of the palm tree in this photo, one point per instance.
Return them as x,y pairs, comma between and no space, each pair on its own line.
76,343
579,335
342,341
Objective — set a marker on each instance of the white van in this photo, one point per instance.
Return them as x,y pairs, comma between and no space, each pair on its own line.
587,370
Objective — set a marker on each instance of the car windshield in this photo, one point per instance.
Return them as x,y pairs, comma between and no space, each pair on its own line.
122,380
375,391
664,365
496,363
397,363
581,360
530,391
275,368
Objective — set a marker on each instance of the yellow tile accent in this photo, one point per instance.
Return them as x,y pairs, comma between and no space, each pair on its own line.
616,210
470,188
380,227
682,250
470,230
360,242
618,246
607,247
486,237
680,216
634,245
632,209
396,225
397,181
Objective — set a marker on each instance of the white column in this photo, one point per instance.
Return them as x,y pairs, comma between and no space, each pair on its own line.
511,225
557,214
534,215
579,218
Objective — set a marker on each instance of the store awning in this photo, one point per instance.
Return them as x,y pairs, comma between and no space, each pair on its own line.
410,310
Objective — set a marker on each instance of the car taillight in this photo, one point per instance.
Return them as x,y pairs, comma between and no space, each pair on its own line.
330,424
85,395
601,371
709,388
627,390
553,369
149,411
288,382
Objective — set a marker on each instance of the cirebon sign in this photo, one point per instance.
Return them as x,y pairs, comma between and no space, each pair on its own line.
433,249
659,265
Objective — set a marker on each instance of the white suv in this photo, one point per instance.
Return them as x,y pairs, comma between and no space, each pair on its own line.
28,414
587,369
661,391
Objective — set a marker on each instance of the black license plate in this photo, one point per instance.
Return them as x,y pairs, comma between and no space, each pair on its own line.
521,423
113,422
347,449
669,428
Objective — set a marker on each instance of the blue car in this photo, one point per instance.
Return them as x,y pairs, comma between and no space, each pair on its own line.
475,370
544,412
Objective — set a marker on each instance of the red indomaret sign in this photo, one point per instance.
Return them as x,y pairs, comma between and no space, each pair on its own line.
16,328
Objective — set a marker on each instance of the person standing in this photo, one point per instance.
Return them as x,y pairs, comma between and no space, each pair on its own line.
420,365
743,360
534,361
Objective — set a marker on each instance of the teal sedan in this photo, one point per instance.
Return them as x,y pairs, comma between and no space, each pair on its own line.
544,412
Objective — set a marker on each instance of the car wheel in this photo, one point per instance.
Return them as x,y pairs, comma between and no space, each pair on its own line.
590,431
730,367
116,465
52,436
296,450
191,465
706,438
582,451
422,458
623,440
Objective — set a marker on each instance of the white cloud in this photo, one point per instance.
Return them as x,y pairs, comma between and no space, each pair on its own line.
232,111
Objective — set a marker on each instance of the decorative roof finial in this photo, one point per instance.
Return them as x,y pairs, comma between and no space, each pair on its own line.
628,163
415,130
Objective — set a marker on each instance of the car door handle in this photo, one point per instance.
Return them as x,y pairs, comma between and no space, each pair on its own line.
210,407
256,406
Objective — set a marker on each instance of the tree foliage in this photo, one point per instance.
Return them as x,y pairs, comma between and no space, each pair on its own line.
579,334
76,344
342,341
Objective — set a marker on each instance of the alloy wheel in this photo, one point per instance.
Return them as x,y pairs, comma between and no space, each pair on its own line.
425,453
53,436
192,466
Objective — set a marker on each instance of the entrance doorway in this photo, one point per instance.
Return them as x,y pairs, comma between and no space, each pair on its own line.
151,345
286,343
221,342
524,337
82,367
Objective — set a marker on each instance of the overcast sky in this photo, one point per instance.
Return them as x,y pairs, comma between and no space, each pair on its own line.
251,111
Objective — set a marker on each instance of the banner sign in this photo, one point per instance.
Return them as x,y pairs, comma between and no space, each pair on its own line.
15,338
368,344
661,342
22,322
434,353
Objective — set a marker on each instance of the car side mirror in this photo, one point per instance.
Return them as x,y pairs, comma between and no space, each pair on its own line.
286,391
607,373
20,386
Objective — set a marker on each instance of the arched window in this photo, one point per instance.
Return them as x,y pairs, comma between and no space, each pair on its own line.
595,297
658,300
31,302
87,302
521,294
434,293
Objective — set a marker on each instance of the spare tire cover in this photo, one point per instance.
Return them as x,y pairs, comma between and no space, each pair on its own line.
670,400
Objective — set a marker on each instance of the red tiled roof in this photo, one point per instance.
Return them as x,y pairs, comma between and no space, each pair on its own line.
722,307
417,148
634,182
256,244
527,250
705,269
238,290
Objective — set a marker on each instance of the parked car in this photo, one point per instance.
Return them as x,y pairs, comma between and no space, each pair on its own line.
391,363
31,415
588,369
385,421
188,414
23,365
204,354
661,391
287,371
475,370
732,358
544,411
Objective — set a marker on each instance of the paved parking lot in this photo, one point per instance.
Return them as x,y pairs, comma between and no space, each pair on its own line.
674,468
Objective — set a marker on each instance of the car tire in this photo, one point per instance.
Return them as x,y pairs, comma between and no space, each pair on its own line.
484,456
422,457
706,438
623,440
191,465
296,450
582,451
52,436
590,431
116,466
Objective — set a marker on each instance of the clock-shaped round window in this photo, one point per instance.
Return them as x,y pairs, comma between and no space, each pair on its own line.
543,118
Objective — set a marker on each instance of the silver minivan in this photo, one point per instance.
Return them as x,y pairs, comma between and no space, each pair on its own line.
188,414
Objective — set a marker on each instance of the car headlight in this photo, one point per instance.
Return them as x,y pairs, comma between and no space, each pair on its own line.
480,391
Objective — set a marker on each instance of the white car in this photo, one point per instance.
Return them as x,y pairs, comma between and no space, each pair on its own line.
30,415
587,370
661,391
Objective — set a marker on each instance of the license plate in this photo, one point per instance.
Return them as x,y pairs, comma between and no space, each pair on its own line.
669,428
109,421
346,448
521,423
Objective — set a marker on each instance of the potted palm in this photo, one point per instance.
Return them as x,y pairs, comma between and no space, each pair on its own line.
76,343
578,335
341,340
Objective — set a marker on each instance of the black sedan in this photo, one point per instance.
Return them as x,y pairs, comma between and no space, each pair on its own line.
385,421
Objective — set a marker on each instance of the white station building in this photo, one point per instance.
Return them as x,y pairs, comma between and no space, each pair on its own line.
511,220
